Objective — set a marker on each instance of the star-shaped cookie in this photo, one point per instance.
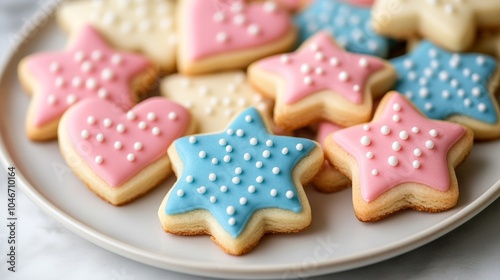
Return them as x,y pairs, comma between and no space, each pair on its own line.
214,99
240,184
459,87
144,26
400,160
349,23
321,81
87,68
451,24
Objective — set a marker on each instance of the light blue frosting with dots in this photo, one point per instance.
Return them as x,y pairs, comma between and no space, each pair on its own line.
223,172
442,83
348,24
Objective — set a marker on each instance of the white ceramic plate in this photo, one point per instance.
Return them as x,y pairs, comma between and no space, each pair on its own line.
335,241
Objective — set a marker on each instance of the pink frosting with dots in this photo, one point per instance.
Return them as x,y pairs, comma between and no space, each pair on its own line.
362,3
89,68
218,26
322,65
105,136
400,146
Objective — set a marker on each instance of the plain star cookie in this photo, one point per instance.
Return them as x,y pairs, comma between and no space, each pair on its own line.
144,26
239,184
329,179
214,99
448,23
120,155
349,23
459,87
400,160
87,68
230,34
321,81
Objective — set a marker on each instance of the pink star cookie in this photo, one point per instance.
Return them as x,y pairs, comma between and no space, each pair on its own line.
230,34
321,81
451,24
400,160
120,155
88,68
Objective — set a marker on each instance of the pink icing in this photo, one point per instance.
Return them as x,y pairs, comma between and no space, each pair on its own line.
88,68
321,65
362,3
94,126
412,149
326,128
218,26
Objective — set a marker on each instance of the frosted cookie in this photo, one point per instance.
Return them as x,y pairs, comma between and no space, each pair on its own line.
459,87
226,35
321,81
214,99
329,179
120,155
240,184
349,23
87,68
448,23
144,26
400,160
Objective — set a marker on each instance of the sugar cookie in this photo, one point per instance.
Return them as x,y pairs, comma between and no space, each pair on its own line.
400,160
121,155
240,184
321,81
448,23
349,23
214,99
459,87
144,26
88,68
226,35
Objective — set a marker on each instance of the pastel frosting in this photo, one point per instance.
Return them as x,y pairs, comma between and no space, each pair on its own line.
322,65
237,172
348,23
442,83
218,26
89,68
400,146
117,144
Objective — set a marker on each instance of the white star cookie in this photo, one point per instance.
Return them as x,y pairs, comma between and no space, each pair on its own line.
451,24
146,26
214,99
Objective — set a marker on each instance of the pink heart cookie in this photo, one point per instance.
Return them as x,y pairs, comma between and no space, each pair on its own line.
121,155
225,34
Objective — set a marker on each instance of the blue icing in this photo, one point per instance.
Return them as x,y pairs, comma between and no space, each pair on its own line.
442,84
233,154
349,24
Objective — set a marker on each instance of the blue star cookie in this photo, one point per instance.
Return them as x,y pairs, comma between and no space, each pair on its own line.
349,24
451,86
236,175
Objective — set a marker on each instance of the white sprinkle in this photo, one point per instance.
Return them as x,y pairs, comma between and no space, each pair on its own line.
243,200
385,130
319,71
240,132
156,131
238,170
251,189
393,161
230,210
142,125
223,189
417,152
213,199
467,102
192,139
215,161
366,127
236,180
91,120
481,107
276,170
98,159
445,94
403,135
230,131
107,123
396,107
248,118
229,148
99,137
87,66
231,221
363,62
284,151
480,60
227,158
308,80
423,92
374,172
51,99
429,144
476,91
416,164
343,76
130,157
219,16
396,118
269,143
369,155
365,140
433,133
180,193
289,194
273,192
253,29
299,147
54,67
356,88
85,134
259,179
408,63
285,58
102,93
107,74
415,129
79,56
137,146
266,153
396,146
120,128
201,190
151,116
305,68
239,19
334,61
319,56
221,37
118,145
202,154
116,59
76,82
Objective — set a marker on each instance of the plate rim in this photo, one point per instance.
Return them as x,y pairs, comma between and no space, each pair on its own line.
198,268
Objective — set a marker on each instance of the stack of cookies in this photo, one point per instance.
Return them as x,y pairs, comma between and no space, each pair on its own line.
390,95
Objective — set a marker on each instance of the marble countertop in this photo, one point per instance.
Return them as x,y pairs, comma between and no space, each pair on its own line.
47,250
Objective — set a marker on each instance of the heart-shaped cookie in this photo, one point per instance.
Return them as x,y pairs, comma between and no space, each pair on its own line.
121,155
230,34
